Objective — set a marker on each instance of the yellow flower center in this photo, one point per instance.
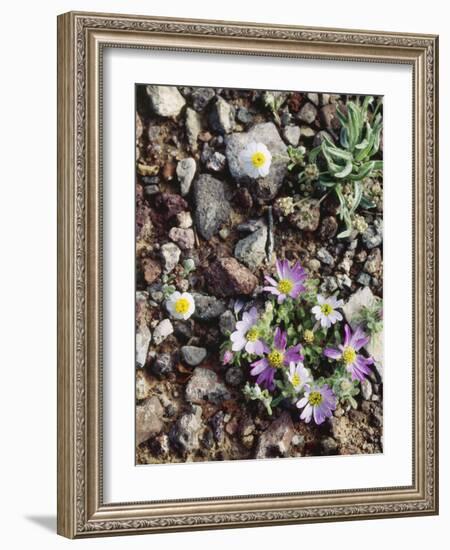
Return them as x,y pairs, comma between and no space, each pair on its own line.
253,334
308,336
258,159
285,286
295,380
276,358
182,305
349,355
315,398
326,309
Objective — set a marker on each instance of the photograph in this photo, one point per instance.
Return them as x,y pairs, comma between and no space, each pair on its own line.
259,274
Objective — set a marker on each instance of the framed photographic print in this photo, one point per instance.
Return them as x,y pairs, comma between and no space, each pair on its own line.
247,283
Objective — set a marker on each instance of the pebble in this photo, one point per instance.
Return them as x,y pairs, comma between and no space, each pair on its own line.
292,135
275,441
148,419
200,97
244,116
184,434
363,278
204,385
234,376
184,220
185,173
366,389
221,117
193,355
166,101
307,113
171,255
216,162
251,250
227,323
207,307
162,331
212,206
143,339
193,126
162,366
325,257
184,238
227,277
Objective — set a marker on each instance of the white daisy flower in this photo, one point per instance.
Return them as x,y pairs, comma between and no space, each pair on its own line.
325,311
180,305
298,376
255,160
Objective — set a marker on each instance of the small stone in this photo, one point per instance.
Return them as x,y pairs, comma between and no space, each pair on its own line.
329,117
244,116
162,331
329,285
148,419
184,434
152,270
224,233
185,173
184,238
363,279
373,236
192,355
314,265
182,330
193,126
366,389
212,206
306,215
373,262
205,386
184,220
200,97
166,101
227,277
207,308
162,366
234,376
329,445
292,135
343,280
221,117
216,162
243,199
227,323
143,339
171,255
328,228
307,113
251,250
151,190
325,257
170,204
314,98
276,439
307,132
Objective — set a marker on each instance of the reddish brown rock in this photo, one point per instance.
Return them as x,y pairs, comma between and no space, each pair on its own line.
227,277
151,269
170,204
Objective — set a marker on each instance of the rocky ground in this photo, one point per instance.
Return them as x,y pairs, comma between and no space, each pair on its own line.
203,227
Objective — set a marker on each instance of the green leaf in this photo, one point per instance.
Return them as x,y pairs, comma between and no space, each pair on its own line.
346,171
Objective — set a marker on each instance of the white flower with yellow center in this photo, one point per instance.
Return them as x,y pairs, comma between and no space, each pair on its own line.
180,305
325,311
255,160
298,376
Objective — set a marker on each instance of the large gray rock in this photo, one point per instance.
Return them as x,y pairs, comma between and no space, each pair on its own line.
185,174
212,206
205,386
184,434
149,420
264,188
166,100
251,250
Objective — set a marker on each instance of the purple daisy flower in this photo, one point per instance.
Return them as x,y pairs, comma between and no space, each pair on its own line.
357,365
290,281
246,335
275,357
318,402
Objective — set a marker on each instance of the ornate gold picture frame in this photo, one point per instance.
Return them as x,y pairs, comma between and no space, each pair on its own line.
82,37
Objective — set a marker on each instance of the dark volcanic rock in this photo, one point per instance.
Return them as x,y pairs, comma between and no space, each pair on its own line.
227,277
207,307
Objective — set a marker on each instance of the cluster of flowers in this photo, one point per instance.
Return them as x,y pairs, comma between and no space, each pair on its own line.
269,342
